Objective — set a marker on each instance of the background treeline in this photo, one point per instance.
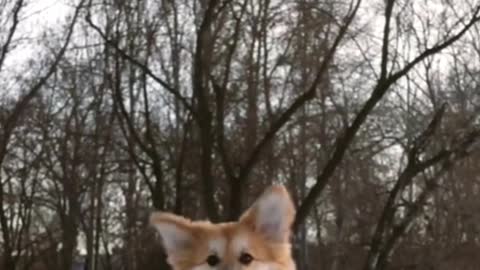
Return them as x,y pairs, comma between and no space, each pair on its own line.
367,110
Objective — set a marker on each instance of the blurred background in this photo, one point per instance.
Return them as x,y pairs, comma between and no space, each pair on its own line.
368,111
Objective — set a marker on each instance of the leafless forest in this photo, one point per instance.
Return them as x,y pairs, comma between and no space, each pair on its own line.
369,111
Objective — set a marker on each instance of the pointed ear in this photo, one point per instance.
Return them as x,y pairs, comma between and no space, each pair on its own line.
272,214
175,232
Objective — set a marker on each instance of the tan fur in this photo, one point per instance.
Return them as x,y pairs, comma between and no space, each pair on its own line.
268,254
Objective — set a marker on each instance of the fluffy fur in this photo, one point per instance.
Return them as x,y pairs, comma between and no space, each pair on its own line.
263,232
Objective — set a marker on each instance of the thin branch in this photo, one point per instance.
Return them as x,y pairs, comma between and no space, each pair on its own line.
11,32
13,118
405,178
140,65
435,49
299,101
343,141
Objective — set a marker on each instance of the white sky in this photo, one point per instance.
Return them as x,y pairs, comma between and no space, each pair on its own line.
37,16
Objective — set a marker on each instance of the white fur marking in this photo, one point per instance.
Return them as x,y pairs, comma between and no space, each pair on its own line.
203,267
217,246
264,266
240,244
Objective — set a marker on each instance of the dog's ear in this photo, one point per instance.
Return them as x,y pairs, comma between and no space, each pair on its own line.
272,214
175,232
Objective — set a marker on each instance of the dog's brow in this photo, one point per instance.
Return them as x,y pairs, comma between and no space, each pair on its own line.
239,243
217,246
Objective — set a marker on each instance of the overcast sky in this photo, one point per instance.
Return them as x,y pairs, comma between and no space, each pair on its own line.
36,17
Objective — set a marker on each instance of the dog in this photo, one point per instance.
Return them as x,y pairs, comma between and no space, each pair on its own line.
259,240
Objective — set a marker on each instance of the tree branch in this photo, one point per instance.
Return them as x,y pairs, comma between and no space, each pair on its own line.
138,64
295,106
386,235
18,110
343,141
11,32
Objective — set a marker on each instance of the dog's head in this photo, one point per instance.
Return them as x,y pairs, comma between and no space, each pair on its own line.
259,240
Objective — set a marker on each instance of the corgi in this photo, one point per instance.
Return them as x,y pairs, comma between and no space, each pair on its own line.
259,240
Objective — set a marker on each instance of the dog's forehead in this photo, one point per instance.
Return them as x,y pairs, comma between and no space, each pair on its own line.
217,245
239,243
229,238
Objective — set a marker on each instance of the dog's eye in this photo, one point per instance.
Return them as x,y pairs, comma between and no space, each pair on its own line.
213,260
245,259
